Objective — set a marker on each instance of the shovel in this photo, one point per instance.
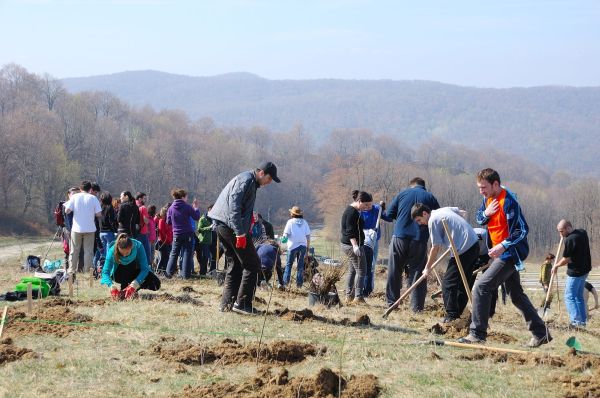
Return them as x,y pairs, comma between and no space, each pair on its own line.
576,345
544,310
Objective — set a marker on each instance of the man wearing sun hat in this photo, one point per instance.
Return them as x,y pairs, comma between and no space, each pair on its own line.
297,233
232,216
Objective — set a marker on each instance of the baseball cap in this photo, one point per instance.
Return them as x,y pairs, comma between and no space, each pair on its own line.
270,169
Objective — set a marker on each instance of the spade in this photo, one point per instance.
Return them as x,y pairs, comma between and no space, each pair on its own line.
576,345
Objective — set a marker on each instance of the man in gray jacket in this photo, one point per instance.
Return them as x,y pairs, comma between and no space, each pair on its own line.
232,216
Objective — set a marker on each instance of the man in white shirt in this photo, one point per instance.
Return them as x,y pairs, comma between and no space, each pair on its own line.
85,207
467,245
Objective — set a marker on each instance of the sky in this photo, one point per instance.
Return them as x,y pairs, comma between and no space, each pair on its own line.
481,43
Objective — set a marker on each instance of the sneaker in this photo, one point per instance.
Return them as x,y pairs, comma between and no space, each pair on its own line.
470,339
245,310
448,319
359,300
538,341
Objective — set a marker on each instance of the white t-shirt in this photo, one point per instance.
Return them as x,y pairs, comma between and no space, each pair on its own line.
84,207
296,229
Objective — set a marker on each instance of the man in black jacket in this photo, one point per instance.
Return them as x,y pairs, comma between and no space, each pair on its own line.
232,215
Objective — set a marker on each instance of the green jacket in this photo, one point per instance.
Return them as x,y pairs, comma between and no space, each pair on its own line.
205,230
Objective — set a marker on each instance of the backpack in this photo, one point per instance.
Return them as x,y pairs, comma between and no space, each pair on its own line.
59,215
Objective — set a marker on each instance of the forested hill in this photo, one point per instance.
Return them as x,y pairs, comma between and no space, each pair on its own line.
556,127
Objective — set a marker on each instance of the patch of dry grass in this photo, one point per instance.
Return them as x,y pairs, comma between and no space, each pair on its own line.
113,358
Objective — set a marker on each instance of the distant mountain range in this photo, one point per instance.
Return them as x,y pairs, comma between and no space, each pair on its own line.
557,127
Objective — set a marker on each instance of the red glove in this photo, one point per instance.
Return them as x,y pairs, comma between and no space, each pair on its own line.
240,242
129,292
114,293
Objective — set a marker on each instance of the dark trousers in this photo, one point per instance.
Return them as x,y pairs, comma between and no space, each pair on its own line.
165,251
243,266
356,271
125,274
198,253
502,272
205,257
453,288
368,284
406,252
213,251
182,245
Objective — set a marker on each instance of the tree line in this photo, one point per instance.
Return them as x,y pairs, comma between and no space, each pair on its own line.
51,139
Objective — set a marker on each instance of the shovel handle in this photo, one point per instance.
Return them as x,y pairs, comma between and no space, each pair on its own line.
552,275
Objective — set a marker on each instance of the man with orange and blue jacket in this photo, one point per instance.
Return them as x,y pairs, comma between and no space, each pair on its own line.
507,237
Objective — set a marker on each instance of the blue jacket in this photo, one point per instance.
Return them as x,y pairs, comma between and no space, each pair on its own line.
516,244
137,255
370,218
399,209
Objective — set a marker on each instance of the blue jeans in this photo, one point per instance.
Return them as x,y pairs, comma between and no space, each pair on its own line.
106,238
574,299
369,271
182,245
298,253
143,238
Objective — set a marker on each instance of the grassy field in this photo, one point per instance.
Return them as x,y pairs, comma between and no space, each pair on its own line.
97,348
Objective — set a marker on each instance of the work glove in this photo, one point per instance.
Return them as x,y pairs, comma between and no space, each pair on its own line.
129,292
240,242
114,293
356,250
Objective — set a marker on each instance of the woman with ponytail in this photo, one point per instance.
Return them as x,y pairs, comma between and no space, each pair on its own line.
352,242
126,264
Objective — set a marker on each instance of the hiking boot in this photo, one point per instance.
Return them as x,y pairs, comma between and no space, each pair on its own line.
471,339
245,310
538,341
359,300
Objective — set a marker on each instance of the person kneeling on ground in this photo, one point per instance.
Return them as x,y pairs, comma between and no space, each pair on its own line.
126,263
268,252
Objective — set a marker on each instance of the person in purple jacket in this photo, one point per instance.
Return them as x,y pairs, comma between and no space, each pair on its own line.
178,216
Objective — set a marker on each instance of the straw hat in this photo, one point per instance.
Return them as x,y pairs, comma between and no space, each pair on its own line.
296,211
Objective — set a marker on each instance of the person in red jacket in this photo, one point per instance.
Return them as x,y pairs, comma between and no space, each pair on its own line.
165,239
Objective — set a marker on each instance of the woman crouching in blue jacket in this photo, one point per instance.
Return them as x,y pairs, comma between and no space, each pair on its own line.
126,264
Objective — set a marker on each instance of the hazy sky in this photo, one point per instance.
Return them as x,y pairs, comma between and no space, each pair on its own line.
483,43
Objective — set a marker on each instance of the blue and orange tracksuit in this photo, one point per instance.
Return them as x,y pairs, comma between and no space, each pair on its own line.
507,226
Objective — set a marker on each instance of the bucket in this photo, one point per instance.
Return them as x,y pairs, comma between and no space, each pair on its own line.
328,299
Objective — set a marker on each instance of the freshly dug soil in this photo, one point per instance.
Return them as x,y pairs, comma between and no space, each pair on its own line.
460,328
435,309
11,353
53,319
308,315
325,383
166,297
67,302
570,361
582,386
231,352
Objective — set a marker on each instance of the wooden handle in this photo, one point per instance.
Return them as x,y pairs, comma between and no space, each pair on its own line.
458,263
30,297
482,347
3,320
414,285
552,275
378,218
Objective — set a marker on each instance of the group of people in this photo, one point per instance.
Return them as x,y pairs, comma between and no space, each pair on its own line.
127,236
417,216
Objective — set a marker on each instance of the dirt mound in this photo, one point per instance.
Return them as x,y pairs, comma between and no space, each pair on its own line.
308,315
188,289
326,383
231,352
166,297
435,309
56,320
260,300
581,386
11,353
67,302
